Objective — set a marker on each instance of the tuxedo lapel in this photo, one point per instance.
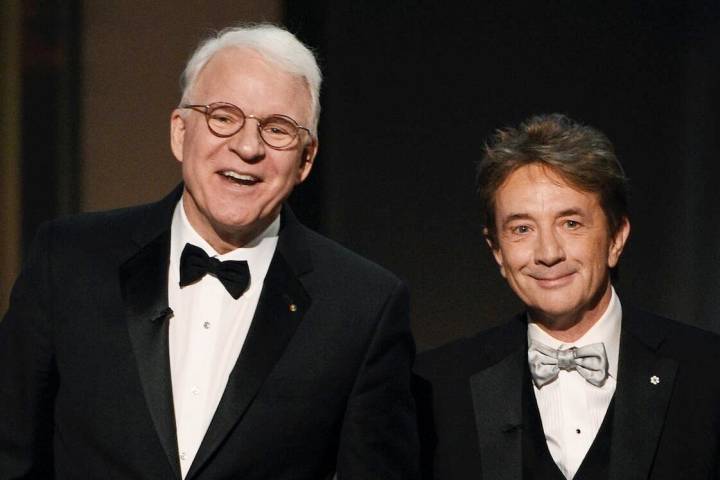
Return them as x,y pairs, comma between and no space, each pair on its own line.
282,305
143,282
497,402
645,384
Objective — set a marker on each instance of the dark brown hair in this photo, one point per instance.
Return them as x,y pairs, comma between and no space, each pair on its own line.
582,156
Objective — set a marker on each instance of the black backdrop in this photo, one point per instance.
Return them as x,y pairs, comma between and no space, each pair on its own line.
413,88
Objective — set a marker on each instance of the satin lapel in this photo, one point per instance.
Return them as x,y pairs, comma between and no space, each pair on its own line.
497,401
143,282
282,305
645,384
144,285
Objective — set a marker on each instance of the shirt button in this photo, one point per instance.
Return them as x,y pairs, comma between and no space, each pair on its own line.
195,390
206,325
182,456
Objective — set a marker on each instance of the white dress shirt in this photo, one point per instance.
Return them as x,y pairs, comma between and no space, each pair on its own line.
207,330
572,409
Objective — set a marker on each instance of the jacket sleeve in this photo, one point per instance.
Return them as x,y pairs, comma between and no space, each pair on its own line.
28,378
379,437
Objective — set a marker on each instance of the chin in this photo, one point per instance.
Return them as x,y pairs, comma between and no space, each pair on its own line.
554,313
231,225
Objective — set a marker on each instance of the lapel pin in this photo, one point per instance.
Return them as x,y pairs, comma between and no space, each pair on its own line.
293,307
654,379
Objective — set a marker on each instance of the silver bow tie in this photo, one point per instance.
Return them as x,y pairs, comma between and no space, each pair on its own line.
589,361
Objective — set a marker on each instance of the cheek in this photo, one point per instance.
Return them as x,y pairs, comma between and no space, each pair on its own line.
191,167
199,146
603,257
289,170
516,256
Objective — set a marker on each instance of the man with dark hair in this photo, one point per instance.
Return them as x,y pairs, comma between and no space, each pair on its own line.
578,386
211,335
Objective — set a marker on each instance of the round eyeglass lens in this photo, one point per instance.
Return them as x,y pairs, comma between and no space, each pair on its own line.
278,131
225,120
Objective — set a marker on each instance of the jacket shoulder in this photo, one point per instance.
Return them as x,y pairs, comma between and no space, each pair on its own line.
103,235
672,338
329,255
466,356
108,225
92,221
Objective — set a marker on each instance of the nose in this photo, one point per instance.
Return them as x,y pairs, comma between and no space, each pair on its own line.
548,249
246,143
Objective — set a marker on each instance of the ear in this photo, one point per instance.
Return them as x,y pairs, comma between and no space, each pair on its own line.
177,133
496,251
307,160
617,242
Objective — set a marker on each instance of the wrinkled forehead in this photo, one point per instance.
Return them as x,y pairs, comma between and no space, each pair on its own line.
245,72
541,172
540,188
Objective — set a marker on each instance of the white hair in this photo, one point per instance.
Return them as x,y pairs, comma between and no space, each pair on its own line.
275,44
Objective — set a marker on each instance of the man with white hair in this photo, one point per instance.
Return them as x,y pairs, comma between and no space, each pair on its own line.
211,335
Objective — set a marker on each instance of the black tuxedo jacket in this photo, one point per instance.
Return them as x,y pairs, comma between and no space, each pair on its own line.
85,389
666,423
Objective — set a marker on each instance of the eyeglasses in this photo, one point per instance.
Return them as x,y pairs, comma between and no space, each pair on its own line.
225,120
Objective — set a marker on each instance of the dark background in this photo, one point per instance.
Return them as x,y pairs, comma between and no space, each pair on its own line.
412,90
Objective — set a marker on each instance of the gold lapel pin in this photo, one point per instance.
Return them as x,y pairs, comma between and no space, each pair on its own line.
654,379
292,307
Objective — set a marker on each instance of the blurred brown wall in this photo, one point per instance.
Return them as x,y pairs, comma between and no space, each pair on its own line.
9,147
133,54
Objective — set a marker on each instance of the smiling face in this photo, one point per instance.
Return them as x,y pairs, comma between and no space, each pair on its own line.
234,187
554,249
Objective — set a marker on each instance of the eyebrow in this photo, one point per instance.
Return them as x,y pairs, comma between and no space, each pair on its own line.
526,216
516,216
571,211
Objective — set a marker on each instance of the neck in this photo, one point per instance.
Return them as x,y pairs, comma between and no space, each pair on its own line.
221,238
227,241
571,327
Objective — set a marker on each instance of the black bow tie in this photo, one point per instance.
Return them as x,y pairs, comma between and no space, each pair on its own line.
195,264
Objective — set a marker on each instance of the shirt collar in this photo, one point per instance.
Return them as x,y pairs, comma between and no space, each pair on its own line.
258,252
606,330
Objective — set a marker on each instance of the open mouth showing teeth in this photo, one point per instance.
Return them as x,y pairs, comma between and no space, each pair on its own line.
242,179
